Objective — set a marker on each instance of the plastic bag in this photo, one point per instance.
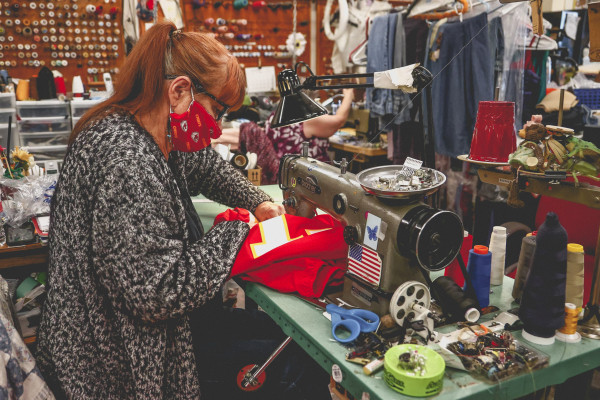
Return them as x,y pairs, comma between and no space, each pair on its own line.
25,198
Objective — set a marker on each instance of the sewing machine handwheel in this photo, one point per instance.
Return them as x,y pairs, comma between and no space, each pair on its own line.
407,294
245,373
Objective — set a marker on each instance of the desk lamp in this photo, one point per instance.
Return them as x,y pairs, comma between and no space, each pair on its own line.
296,106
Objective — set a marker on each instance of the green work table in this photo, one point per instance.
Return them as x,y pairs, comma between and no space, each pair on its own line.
208,209
305,323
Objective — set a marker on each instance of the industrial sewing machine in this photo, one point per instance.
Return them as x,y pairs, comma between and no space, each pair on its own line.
393,237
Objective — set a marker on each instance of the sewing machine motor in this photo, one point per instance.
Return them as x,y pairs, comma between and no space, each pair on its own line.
409,237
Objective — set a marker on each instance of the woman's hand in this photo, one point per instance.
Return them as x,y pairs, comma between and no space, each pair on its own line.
268,210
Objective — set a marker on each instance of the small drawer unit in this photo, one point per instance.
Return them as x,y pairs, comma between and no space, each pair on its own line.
80,107
44,139
7,100
48,153
43,109
44,125
4,134
8,111
44,128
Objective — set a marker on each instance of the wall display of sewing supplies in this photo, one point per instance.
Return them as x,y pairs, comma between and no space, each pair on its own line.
74,37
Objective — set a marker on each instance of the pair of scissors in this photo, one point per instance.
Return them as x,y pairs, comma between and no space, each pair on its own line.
352,321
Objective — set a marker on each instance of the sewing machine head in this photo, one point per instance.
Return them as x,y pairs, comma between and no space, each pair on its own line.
391,241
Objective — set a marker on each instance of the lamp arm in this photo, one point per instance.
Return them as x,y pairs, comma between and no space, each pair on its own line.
312,81
422,78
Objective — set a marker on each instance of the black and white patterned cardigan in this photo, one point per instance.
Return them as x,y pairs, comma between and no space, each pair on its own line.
123,275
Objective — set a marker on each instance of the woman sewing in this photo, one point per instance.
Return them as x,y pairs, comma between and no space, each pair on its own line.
316,131
129,261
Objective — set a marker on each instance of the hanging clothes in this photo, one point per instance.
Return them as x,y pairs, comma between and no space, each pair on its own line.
514,25
407,136
496,46
462,68
381,55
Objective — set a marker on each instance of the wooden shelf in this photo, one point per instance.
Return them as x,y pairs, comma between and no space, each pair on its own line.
585,193
21,256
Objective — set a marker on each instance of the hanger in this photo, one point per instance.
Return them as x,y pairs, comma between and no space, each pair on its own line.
435,15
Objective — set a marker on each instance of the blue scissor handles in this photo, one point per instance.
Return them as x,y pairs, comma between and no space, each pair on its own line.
354,321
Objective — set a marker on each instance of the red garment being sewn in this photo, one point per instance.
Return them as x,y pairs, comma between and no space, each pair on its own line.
290,253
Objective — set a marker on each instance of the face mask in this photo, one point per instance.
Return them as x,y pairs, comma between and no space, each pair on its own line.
192,130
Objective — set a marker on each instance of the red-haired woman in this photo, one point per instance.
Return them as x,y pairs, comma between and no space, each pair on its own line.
129,261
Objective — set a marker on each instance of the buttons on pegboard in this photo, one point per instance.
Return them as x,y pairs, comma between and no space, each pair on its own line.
56,26
253,32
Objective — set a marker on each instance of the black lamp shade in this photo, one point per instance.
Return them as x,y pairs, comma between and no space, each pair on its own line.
295,105
294,108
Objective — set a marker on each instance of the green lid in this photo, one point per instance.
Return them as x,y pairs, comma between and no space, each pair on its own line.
412,381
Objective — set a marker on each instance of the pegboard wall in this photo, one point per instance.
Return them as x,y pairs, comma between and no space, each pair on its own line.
254,31
75,37
85,37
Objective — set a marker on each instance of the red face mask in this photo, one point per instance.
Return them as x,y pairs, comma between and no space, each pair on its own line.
192,130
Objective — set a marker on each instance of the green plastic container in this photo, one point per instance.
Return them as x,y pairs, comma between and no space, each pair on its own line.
406,381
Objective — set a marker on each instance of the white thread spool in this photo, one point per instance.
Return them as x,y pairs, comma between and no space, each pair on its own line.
498,250
77,87
90,8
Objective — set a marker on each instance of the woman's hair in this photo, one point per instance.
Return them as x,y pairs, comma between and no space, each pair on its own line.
164,50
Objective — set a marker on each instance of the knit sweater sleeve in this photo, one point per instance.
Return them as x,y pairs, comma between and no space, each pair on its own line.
209,174
148,270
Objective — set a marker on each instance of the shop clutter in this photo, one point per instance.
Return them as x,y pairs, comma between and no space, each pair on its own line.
25,192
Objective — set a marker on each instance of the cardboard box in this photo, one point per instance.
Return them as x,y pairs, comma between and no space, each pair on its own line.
254,175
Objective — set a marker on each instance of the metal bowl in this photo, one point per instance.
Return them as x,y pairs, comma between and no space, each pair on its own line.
368,177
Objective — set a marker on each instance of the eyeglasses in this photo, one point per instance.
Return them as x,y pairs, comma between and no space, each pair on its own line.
200,89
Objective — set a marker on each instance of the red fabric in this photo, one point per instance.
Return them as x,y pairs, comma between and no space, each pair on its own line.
291,254
453,270
238,214
581,223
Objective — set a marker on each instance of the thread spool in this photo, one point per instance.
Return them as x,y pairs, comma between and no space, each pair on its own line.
454,301
575,275
77,86
568,333
525,261
479,269
22,90
498,250
239,161
542,304
90,9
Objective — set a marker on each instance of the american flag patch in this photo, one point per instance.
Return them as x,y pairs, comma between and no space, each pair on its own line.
364,263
